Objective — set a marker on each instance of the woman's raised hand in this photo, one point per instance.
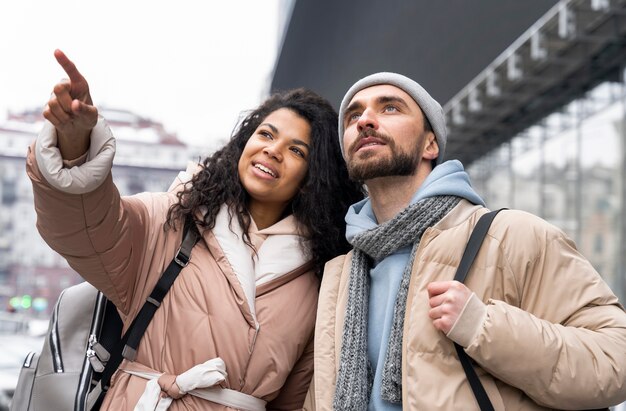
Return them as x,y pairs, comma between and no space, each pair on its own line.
71,110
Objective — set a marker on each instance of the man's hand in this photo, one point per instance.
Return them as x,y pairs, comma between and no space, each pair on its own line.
446,299
71,110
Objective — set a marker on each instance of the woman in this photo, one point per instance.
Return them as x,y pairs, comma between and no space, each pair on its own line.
268,207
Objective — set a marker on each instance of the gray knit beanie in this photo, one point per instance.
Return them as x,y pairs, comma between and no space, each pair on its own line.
432,110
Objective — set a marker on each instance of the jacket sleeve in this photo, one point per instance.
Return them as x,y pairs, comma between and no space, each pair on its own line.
295,389
565,345
81,215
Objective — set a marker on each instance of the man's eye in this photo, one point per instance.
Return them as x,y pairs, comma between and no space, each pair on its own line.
353,117
390,109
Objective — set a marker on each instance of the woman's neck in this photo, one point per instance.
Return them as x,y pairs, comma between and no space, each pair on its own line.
265,215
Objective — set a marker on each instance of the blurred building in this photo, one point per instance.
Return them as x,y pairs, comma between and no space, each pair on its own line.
148,158
534,94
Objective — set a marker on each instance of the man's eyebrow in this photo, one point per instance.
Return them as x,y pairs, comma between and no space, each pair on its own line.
271,126
380,100
353,106
392,99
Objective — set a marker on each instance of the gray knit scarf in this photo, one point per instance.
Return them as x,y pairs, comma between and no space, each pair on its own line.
354,382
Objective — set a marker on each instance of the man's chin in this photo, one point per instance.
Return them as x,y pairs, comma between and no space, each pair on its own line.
366,157
362,171
359,170
371,151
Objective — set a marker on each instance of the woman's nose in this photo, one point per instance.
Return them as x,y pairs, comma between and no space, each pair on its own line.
273,150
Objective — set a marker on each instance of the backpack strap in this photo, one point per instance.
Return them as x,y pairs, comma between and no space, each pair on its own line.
471,249
127,346
154,300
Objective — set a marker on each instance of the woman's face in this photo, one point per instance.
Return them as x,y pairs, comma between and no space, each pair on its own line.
274,162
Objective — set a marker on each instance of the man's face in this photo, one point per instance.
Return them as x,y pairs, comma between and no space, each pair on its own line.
384,133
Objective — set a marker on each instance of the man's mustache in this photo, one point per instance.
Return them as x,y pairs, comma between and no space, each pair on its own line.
370,132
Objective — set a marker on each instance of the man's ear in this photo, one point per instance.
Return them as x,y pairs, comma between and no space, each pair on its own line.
431,148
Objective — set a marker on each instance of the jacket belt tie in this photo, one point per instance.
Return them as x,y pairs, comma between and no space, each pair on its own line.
201,381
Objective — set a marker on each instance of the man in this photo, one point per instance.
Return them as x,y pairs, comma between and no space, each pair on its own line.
544,329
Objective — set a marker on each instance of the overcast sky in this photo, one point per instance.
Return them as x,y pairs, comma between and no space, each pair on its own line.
192,65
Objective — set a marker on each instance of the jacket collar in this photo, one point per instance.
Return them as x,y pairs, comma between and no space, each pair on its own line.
460,214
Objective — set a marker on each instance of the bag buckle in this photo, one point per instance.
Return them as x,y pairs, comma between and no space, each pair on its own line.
181,259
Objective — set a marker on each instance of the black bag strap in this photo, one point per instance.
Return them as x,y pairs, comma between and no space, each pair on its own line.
474,243
127,346
471,249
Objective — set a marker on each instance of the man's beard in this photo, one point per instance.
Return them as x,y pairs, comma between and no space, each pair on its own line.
398,164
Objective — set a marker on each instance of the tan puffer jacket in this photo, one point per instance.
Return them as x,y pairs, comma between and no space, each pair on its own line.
119,245
552,335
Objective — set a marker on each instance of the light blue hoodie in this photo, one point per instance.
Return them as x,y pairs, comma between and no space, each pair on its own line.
448,178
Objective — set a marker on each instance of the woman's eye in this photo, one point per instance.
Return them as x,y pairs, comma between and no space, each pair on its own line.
298,151
266,134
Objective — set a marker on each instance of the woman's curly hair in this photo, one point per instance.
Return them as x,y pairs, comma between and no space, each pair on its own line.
320,205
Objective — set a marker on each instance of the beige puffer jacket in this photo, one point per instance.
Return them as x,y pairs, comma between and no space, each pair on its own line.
119,245
550,333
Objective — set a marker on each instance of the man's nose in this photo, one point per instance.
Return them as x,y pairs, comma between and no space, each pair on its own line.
367,120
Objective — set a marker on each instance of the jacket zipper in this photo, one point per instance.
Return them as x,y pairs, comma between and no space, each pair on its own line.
94,334
407,312
55,345
29,359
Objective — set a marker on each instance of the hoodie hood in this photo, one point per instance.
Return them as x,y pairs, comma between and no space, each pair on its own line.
448,178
